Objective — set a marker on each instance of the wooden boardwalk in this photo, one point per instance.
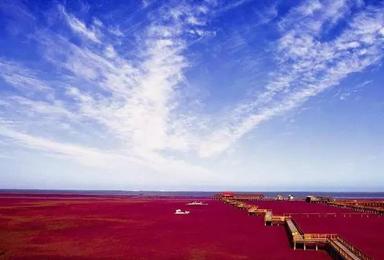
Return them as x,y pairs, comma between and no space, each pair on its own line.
343,249
366,206
333,243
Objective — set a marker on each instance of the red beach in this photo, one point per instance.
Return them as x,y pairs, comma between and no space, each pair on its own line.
63,226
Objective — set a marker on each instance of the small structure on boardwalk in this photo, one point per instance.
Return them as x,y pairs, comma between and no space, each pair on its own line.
197,203
252,210
311,198
227,195
318,199
182,212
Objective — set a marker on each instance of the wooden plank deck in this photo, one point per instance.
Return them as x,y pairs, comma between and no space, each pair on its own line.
343,250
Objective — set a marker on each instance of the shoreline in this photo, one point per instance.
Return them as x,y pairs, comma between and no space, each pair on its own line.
271,194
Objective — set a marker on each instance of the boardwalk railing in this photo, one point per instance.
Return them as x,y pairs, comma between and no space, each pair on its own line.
346,249
376,207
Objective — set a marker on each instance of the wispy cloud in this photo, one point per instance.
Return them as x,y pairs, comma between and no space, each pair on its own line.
308,65
233,5
132,99
132,94
22,78
79,27
88,156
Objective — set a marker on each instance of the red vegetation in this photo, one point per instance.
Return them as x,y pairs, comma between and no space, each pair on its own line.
145,228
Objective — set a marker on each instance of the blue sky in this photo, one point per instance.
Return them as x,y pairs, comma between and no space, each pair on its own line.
192,95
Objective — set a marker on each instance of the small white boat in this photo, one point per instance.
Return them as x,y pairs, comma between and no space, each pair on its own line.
196,203
181,212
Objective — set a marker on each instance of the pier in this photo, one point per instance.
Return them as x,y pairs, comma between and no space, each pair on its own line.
332,243
361,205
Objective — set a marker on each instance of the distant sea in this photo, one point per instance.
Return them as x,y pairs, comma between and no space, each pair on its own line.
296,194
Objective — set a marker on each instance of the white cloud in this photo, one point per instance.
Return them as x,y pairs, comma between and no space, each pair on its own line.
308,66
133,97
21,77
114,160
87,156
133,100
79,27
